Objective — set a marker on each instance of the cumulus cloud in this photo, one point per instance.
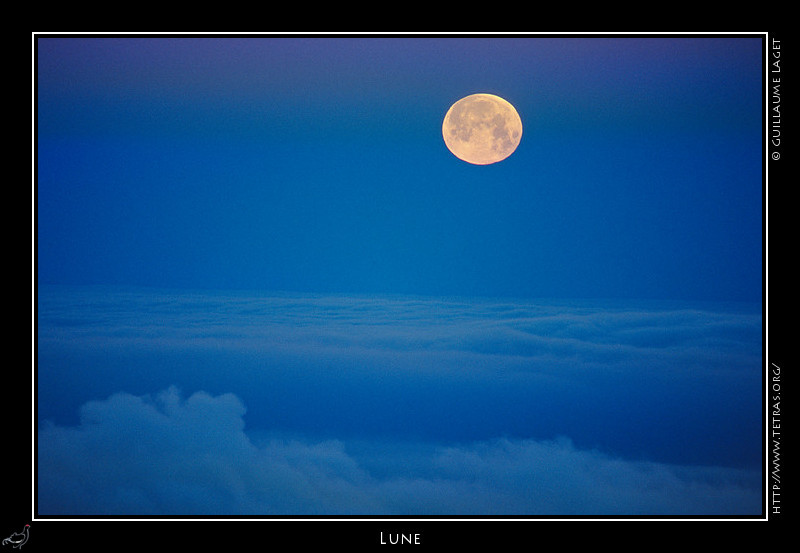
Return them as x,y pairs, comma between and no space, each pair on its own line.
169,455
675,383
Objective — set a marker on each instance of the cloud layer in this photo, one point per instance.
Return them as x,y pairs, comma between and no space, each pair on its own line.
394,405
170,455
640,380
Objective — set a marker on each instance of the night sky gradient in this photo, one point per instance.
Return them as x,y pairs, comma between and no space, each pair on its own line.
266,287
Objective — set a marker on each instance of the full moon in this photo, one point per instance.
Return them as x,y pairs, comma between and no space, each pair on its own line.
482,129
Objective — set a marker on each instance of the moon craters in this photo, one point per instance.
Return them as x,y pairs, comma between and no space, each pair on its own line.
482,129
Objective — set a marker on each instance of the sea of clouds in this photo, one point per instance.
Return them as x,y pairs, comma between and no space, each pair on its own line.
165,403
170,455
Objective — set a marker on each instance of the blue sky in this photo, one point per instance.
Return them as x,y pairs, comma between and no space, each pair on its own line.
319,165
257,255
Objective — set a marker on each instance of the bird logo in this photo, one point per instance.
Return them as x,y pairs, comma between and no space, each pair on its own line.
17,540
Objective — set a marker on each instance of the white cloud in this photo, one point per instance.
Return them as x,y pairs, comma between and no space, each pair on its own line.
679,384
140,455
